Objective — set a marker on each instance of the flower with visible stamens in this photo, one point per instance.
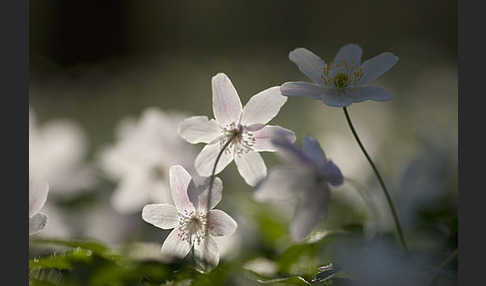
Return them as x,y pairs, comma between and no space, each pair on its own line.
342,81
189,217
245,127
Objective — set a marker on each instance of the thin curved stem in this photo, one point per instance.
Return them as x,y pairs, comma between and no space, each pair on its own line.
380,180
210,190
448,260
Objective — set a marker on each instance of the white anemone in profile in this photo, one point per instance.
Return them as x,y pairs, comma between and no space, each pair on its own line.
57,151
141,157
342,81
38,190
245,127
189,217
307,179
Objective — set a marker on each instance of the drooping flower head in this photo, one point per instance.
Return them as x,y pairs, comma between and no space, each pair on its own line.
307,178
38,190
189,217
245,127
344,80
140,159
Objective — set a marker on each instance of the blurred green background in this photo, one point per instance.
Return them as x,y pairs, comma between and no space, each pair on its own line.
97,62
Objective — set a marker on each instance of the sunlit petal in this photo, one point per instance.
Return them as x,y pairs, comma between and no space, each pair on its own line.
263,106
220,223
251,167
226,102
161,215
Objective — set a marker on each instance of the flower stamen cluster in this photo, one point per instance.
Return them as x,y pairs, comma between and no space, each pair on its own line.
192,226
346,75
242,140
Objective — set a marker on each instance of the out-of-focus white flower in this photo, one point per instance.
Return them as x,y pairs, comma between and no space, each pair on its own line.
262,266
229,246
343,81
190,218
38,190
245,127
307,178
139,160
56,153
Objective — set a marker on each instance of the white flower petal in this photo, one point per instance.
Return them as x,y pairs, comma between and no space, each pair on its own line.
174,246
251,167
198,129
38,190
350,53
199,193
310,209
207,157
336,98
226,102
220,223
37,223
207,253
263,106
179,182
369,93
164,216
308,63
264,136
375,67
279,185
302,88
314,151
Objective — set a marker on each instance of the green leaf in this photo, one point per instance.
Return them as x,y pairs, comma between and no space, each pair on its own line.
294,280
62,261
325,273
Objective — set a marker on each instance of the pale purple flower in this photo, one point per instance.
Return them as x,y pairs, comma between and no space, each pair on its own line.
38,189
189,217
141,157
307,179
246,127
342,81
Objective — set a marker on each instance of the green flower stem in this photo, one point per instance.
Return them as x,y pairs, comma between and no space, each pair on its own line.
210,191
448,260
380,179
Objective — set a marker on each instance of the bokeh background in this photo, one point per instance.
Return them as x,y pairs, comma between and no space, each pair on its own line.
97,62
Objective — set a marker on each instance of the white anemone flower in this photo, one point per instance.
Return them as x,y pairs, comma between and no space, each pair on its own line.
141,157
307,178
57,151
344,80
190,219
245,127
38,190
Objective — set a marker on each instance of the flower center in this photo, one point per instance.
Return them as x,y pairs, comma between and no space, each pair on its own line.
341,80
192,226
341,75
242,140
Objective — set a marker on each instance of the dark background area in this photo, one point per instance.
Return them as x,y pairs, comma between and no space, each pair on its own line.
68,33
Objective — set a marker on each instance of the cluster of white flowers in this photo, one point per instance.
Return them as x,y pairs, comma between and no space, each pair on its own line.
178,190
141,157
